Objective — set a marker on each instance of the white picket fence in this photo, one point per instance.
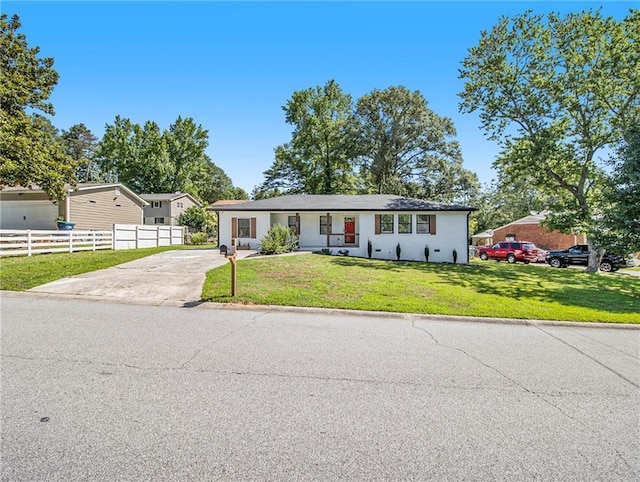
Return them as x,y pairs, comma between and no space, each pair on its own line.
22,242
39,241
133,236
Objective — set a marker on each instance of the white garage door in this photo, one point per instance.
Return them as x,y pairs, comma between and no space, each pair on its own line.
28,215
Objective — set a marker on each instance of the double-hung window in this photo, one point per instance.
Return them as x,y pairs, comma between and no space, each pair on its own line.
405,223
325,223
386,224
426,223
244,227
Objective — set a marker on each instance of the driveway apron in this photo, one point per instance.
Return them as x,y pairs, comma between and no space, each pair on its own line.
168,278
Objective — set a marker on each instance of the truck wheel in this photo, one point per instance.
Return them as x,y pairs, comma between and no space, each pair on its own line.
511,258
483,256
555,263
606,266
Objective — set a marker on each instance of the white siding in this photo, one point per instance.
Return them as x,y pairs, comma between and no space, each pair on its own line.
451,233
224,227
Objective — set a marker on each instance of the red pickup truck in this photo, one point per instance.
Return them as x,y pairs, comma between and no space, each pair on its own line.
512,251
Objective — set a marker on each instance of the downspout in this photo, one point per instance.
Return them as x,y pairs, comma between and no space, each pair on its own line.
218,230
67,206
467,241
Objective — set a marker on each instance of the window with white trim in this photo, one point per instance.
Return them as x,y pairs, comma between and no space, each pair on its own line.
405,222
325,221
426,223
386,224
244,227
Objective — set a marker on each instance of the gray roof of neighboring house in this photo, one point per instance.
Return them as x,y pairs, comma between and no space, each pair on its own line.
171,196
343,202
81,187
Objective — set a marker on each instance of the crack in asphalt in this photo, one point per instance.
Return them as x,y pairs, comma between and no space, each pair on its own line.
630,355
532,392
595,360
250,373
253,320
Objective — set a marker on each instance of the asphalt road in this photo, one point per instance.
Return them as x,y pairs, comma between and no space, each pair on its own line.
111,392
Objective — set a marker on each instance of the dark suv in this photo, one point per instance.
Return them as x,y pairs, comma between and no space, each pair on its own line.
512,251
579,254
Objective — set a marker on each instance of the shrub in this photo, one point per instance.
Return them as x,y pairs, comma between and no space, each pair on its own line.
279,239
199,218
198,238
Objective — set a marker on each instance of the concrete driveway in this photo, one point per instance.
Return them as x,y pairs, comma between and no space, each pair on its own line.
169,278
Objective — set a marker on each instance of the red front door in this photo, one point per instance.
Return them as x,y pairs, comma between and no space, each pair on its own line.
349,230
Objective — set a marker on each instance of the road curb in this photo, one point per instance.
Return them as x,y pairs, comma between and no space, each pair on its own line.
324,311
415,316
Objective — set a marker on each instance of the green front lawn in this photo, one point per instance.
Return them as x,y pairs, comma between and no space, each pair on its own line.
20,273
486,289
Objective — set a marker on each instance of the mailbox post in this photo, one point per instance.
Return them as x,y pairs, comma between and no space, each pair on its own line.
231,254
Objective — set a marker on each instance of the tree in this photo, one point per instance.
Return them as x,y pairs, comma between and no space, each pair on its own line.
554,92
407,149
149,160
506,200
214,184
199,218
622,216
319,157
80,144
30,152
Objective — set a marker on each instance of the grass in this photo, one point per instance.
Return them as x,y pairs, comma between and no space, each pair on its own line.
485,289
20,273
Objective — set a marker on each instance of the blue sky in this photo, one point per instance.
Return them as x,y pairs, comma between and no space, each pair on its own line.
231,66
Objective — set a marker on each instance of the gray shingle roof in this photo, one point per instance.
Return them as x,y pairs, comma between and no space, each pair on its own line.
343,202
167,196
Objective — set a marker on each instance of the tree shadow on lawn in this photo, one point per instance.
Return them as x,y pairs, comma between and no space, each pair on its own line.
613,293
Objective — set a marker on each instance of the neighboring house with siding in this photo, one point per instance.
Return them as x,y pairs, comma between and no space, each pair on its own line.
344,222
164,208
529,228
88,206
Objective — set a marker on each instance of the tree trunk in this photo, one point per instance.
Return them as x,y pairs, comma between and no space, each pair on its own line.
592,267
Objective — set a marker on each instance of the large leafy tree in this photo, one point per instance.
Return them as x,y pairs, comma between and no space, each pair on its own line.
80,144
405,148
147,159
30,150
319,157
505,200
555,92
622,195
214,184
